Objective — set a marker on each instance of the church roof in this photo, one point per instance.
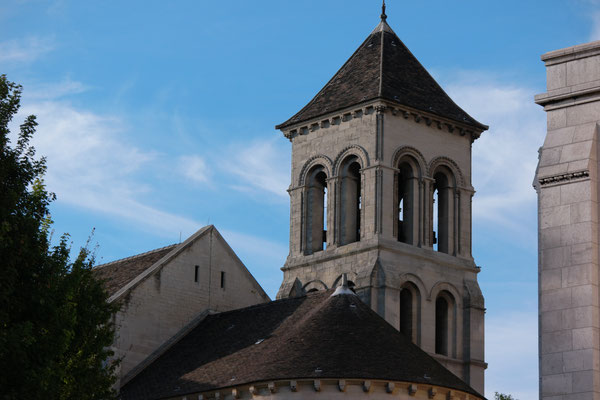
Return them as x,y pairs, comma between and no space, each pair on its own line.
119,273
383,68
317,336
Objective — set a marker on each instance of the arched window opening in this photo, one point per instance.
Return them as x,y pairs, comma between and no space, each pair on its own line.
441,326
441,213
351,202
325,217
316,224
410,306
444,324
407,188
406,312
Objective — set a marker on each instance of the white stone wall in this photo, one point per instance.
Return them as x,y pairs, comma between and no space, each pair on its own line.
333,389
160,305
567,187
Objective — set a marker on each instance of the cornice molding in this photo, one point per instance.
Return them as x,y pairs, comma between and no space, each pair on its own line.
564,178
380,107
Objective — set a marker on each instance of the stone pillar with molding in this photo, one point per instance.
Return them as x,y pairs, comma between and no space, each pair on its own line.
566,182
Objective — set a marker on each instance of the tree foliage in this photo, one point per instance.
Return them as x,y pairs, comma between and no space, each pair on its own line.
56,326
502,396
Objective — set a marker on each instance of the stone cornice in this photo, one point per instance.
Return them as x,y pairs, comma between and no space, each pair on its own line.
564,178
316,388
569,96
571,53
380,107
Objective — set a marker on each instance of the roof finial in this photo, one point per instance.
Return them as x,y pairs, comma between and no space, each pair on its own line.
343,289
383,16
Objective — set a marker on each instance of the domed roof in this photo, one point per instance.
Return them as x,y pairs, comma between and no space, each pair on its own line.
317,336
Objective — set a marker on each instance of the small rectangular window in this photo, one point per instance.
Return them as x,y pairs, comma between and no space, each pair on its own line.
222,279
196,273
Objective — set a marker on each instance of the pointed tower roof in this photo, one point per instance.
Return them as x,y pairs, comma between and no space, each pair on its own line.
383,68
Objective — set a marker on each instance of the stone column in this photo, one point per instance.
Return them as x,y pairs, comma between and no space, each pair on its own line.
566,183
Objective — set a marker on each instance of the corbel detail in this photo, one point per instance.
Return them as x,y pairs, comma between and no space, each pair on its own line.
366,386
562,178
412,389
317,385
390,386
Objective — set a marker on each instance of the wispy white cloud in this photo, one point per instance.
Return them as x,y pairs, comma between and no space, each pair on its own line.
505,157
511,343
92,166
595,31
260,166
55,90
24,50
194,168
256,246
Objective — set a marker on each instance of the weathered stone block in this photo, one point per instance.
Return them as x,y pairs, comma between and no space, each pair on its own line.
555,216
549,197
585,338
556,299
553,385
554,342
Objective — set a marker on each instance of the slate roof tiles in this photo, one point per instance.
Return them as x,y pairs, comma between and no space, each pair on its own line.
119,273
383,68
315,336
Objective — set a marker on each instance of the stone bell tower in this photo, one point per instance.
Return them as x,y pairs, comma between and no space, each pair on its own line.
381,190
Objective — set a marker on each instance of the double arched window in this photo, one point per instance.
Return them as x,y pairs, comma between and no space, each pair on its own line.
348,205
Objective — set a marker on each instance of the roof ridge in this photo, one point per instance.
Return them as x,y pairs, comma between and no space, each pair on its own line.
135,256
267,303
294,118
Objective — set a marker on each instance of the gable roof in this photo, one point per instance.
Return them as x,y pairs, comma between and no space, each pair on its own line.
117,274
317,336
383,68
123,275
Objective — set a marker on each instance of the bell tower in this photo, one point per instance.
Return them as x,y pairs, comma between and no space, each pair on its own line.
381,190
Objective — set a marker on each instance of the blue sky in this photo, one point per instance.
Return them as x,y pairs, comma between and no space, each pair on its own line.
157,118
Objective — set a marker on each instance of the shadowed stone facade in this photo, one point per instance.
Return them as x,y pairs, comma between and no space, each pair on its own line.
370,153
567,185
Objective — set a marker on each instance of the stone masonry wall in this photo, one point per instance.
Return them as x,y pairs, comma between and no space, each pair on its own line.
378,264
567,186
157,308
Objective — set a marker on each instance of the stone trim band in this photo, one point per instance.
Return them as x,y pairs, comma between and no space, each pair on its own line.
561,178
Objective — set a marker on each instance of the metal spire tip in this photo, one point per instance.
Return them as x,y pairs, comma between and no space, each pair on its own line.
383,16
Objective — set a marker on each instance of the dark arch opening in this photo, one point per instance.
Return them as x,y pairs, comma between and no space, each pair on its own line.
407,188
441,325
316,221
441,213
406,312
351,202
